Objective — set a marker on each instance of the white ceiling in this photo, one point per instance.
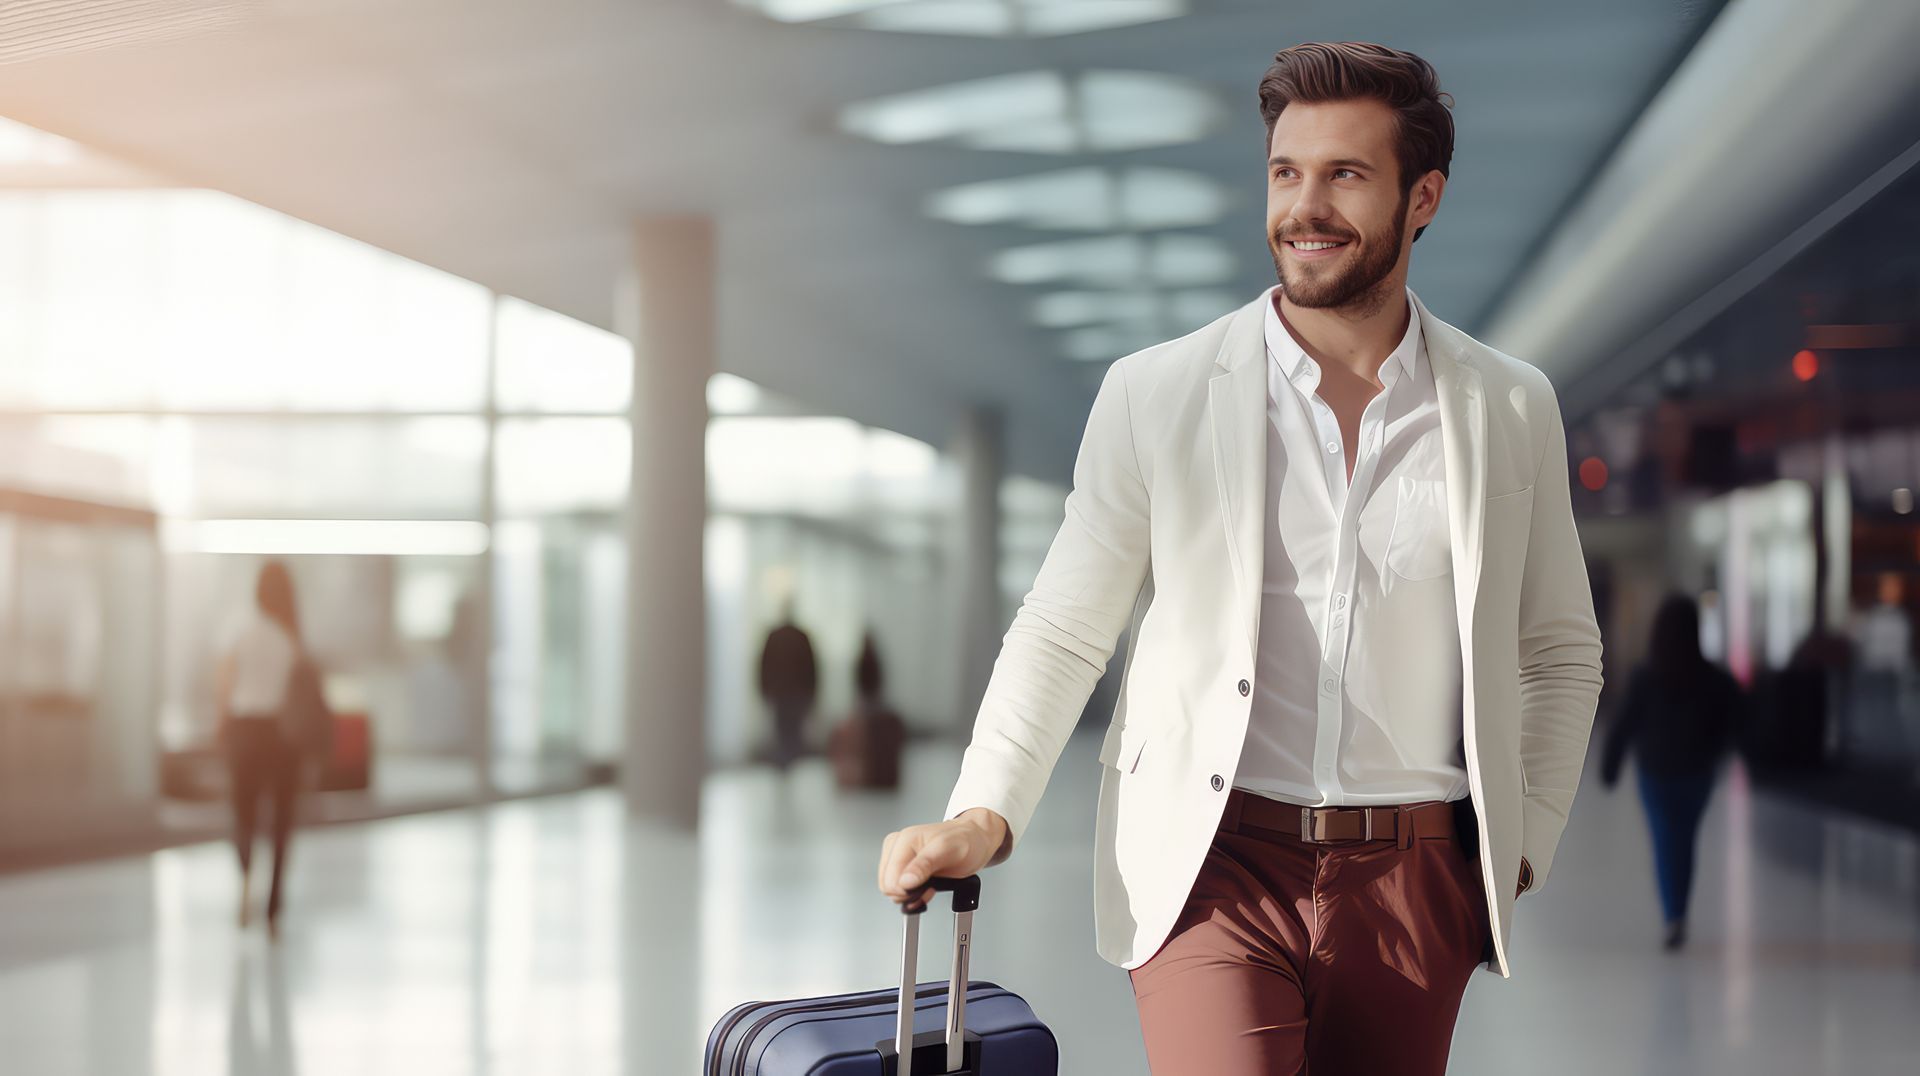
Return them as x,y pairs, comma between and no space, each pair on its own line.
512,142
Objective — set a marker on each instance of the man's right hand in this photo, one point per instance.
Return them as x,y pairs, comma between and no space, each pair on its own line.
952,849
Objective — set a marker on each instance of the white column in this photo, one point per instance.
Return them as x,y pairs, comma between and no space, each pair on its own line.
476,672
666,308
977,453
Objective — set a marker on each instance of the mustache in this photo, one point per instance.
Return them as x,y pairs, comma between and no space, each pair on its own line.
1337,237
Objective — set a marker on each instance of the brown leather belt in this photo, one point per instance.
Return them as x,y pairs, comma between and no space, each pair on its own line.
1400,823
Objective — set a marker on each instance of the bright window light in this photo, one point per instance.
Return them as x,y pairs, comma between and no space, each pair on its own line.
326,537
558,465
21,144
818,466
728,394
550,362
221,304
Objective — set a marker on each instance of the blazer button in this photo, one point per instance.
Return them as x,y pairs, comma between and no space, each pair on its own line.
1245,687
1218,784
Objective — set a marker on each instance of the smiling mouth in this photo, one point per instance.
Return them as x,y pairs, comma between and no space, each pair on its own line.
1315,246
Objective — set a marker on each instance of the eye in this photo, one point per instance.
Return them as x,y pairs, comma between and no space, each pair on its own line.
1348,171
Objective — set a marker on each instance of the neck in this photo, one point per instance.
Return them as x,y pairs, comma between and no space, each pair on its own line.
1358,336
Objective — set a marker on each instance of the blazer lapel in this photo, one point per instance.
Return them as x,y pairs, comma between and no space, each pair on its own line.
1463,438
1237,413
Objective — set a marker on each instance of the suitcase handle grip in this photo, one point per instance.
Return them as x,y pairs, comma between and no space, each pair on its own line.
966,894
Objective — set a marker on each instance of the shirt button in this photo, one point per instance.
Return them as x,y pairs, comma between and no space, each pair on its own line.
1333,446
1339,601
1218,784
1245,687
1326,686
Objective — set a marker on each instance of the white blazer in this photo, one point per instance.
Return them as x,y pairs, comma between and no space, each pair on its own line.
1163,532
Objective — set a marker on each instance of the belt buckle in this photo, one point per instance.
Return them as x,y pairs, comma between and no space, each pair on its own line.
1308,821
1313,824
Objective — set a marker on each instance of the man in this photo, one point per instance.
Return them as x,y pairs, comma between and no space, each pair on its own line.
789,680
1364,659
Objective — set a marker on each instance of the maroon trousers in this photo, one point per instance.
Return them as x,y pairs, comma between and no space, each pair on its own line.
1329,959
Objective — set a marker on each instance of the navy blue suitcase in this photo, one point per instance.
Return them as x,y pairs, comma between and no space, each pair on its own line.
986,1030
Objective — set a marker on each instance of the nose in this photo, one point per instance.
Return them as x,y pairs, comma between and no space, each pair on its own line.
1310,205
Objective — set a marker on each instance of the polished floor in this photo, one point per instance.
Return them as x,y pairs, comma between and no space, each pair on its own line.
551,936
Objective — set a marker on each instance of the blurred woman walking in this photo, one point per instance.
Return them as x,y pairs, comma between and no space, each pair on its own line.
273,722
1677,718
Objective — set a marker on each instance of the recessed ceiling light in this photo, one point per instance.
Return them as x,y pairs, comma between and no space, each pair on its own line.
1118,260
974,18
1043,112
1104,343
1088,199
1108,324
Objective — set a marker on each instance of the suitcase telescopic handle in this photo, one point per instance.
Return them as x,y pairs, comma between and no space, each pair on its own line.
966,898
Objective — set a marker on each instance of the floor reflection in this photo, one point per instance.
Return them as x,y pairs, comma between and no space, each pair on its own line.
558,935
259,1029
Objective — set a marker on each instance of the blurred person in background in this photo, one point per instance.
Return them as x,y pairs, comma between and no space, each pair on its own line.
273,726
1883,670
1678,718
789,679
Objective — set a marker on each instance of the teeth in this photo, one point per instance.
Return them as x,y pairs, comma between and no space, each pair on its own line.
1314,246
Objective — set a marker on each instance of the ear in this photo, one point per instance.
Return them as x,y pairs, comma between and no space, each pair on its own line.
1423,202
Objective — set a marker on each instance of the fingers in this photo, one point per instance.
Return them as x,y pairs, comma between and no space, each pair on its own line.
899,849
885,847
902,854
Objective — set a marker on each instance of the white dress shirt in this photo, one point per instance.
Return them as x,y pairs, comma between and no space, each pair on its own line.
1358,676
263,661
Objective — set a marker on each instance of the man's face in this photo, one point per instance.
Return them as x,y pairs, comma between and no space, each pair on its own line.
1332,175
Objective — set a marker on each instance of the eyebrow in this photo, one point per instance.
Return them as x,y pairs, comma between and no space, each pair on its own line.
1354,162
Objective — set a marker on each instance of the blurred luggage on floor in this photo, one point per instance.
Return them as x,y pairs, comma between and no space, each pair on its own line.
866,749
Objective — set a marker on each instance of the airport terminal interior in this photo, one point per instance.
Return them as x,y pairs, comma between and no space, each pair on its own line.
657,414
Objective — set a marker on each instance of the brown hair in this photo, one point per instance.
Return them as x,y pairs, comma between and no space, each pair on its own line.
273,593
1317,72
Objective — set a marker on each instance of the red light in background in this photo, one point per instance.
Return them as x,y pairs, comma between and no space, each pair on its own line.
1593,473
1805,365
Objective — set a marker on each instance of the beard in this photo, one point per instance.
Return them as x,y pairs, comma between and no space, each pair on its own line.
1346,280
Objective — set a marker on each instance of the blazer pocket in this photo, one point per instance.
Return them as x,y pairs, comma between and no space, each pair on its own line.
1122,747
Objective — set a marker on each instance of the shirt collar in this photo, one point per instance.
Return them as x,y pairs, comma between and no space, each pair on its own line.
1298,367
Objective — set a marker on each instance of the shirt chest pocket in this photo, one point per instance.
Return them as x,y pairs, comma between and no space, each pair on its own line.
1419,546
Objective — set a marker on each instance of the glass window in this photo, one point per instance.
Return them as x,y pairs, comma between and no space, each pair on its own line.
819,467
550,362
309,467
551,465
195,300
